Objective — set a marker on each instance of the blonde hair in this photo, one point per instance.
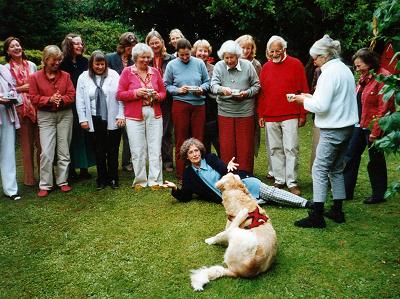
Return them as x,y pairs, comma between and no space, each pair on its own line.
154,33
201,43
248,39
176,31
51,51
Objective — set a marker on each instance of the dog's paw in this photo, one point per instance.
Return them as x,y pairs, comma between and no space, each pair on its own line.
210,241
243,213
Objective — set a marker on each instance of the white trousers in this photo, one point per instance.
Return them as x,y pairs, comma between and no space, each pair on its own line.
8,169
55,131
284,149
145,138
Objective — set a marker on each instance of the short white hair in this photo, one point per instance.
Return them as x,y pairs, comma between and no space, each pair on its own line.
276,38
326,46
231,47
140,49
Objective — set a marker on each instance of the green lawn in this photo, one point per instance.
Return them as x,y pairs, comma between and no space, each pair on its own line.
127,244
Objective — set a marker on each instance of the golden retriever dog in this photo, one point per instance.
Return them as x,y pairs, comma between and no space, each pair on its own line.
249,234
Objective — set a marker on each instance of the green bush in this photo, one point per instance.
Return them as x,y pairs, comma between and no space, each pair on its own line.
96,35
35,56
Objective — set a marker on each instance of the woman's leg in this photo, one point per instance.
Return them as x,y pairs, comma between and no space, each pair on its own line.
197,121
244,142
113,141
47,133
27,136
154,128
281,196
226,128
136,130
181,120
100,145
63,140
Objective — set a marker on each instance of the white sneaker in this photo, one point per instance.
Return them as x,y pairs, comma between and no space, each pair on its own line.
260,201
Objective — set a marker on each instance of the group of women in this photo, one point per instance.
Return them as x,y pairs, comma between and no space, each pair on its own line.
74,111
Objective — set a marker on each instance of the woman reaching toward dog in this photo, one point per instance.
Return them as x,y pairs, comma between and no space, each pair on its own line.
204,170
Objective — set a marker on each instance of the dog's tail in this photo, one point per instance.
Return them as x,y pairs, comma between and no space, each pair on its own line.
202,276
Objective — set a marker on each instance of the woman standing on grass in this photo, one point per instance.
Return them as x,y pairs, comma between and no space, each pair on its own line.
8,124
160,61
74,63
102,115
186,79
117,61
52,92
20,68
141,89
236,83
370,106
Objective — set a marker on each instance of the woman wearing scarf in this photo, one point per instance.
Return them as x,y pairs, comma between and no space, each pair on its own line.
141,88
53,94
20,69
8,123
102,115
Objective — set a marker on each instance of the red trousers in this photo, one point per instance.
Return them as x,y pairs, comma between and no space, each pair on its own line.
189,121
29,139
236,137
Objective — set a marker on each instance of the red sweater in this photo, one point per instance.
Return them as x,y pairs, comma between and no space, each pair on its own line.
278,79
41,89
129,82
372,103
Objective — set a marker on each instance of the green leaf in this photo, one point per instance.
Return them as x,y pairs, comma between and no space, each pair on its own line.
390,122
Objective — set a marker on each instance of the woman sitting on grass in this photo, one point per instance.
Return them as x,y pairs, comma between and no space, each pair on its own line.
204,170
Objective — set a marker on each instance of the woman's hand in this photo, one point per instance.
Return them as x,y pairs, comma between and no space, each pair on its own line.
183,90
168,184
243,94
232,165
198,92
23,88
261,122
372,138
85,125
120,122
226,91
5,102
141,92
56,99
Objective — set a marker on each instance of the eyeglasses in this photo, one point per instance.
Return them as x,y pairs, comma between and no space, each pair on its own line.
275,51
316,57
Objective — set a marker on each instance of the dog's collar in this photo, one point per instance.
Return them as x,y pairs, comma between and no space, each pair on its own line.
257,219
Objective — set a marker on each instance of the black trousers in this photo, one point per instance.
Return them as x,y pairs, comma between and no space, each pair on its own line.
106,145
377,170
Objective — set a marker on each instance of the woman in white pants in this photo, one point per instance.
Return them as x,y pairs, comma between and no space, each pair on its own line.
8,123
141,88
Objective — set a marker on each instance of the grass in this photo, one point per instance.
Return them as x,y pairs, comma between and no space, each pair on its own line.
126,244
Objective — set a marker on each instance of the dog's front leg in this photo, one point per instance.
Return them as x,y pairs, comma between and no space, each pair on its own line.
220,238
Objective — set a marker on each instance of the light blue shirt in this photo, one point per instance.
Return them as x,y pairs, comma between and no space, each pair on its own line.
210,177
193,73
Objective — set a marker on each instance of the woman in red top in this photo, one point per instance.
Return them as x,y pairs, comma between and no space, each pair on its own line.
141,88
20,68
52,92
370,106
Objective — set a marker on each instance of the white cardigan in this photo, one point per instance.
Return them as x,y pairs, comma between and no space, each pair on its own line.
115,108
334,100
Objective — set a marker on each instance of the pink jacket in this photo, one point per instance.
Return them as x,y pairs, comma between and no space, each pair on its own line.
129,82
373,106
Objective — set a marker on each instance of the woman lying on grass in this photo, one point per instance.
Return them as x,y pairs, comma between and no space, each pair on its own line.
204,170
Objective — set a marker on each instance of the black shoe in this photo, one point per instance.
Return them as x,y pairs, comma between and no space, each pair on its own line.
84,174
100,186
114,184
309,204
14,197
373,200
313,220
336,216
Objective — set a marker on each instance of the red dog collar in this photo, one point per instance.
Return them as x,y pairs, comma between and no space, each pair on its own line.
257,219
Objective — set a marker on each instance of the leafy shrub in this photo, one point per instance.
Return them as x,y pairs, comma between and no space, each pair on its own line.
97,35
35,56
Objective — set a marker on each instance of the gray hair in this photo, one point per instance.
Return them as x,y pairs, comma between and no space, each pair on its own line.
276,38
231,47
183,151
140,49
51,51
326,46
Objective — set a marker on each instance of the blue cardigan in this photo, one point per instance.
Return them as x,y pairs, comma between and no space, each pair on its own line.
193,184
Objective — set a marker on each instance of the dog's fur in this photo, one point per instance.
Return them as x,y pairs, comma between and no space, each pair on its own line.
250,251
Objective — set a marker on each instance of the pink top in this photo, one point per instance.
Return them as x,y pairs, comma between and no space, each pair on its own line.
130,81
